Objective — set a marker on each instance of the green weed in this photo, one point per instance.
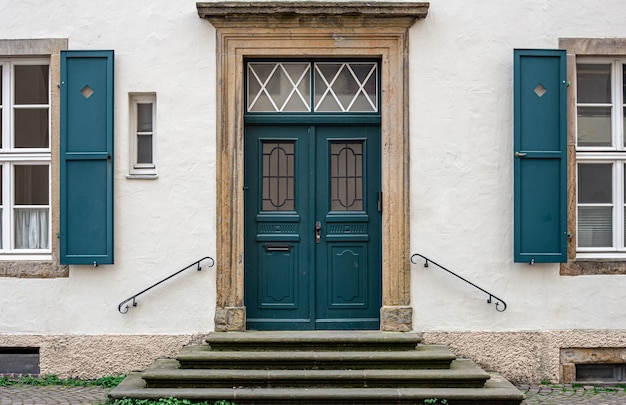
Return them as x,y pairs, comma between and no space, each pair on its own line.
51,379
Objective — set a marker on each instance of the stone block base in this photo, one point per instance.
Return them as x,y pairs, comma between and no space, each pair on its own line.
396,319
230,319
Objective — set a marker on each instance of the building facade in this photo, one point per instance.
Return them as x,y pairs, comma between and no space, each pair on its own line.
310,150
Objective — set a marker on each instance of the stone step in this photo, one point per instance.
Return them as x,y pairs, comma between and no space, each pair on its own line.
462,373
313,340
496,391
424,356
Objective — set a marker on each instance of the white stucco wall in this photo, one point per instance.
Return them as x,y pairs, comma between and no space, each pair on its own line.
461,171
161,225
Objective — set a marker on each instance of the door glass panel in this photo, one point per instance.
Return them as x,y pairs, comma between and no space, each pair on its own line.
346,87
346,176
279,87
278,176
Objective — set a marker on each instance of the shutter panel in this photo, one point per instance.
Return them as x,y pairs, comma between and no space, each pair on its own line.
86,234
540,167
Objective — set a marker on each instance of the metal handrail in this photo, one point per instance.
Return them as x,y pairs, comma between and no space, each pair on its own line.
133,298
489,299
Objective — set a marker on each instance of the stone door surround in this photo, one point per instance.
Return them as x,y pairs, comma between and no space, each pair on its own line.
312,29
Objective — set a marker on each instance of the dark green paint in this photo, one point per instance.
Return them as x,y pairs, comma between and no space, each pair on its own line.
86,228
334,284
540,156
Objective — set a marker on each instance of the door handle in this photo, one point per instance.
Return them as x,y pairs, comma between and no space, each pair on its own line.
318,231
520,154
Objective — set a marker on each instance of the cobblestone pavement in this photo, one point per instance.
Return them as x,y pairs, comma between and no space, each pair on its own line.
535,395
52,395
569,395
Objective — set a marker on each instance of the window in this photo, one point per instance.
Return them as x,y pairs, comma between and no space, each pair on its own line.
25,158
600,157
143,134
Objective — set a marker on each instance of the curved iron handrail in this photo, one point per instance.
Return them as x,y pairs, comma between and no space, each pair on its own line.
489,299
133,298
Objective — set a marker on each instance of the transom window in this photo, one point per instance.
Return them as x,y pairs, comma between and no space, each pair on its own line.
24,157
320,87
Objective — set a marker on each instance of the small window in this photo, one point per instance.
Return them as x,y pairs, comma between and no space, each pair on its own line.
142,134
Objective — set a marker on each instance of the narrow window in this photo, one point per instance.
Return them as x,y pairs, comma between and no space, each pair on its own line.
25,158
143,134
601,182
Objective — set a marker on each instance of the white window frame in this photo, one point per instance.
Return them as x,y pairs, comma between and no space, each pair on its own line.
136,169
9,157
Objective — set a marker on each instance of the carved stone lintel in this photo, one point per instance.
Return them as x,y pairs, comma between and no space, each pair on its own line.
396,319
230,319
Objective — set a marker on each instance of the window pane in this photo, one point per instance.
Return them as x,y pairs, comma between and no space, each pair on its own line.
594,126
144,117
593,82
31,84
595,226
346,176
346,87
31,185
278,176
144,148
595,183
31,128
31,228
278,87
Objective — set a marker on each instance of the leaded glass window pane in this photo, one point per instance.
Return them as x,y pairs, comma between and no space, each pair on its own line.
279,87
278,176
346,176
346,87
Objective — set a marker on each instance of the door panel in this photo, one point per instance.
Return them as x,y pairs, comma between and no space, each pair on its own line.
312,240
348,286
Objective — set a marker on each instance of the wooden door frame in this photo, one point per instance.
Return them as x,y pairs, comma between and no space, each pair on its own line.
343,30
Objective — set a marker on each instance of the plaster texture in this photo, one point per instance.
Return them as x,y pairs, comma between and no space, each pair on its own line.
94,356
532,356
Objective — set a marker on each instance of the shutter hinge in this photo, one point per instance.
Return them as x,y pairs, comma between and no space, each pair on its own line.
380,201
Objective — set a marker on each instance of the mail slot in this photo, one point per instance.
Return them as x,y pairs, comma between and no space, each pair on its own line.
276,247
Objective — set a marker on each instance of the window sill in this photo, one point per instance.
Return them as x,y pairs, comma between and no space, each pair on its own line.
592,267
32,269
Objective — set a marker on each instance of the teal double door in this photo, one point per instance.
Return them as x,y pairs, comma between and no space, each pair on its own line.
312,226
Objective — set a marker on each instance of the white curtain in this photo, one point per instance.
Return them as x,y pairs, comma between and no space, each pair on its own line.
31,228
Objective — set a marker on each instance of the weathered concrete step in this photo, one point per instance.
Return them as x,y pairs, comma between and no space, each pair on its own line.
313,340
166,373
422,357
496,391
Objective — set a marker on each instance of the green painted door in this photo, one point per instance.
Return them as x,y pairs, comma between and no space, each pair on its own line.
312,226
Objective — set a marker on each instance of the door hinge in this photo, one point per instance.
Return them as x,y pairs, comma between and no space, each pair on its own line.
380,201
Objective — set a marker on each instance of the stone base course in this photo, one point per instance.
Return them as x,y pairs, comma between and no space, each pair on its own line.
525,357
94,356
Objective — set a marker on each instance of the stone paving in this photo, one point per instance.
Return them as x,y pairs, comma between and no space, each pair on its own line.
52,395
535,394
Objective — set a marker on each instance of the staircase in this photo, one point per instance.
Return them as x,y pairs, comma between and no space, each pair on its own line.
318,367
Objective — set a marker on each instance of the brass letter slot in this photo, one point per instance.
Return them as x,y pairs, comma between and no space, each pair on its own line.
277,247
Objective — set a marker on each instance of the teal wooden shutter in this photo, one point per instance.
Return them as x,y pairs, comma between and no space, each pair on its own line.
86,233
540,150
